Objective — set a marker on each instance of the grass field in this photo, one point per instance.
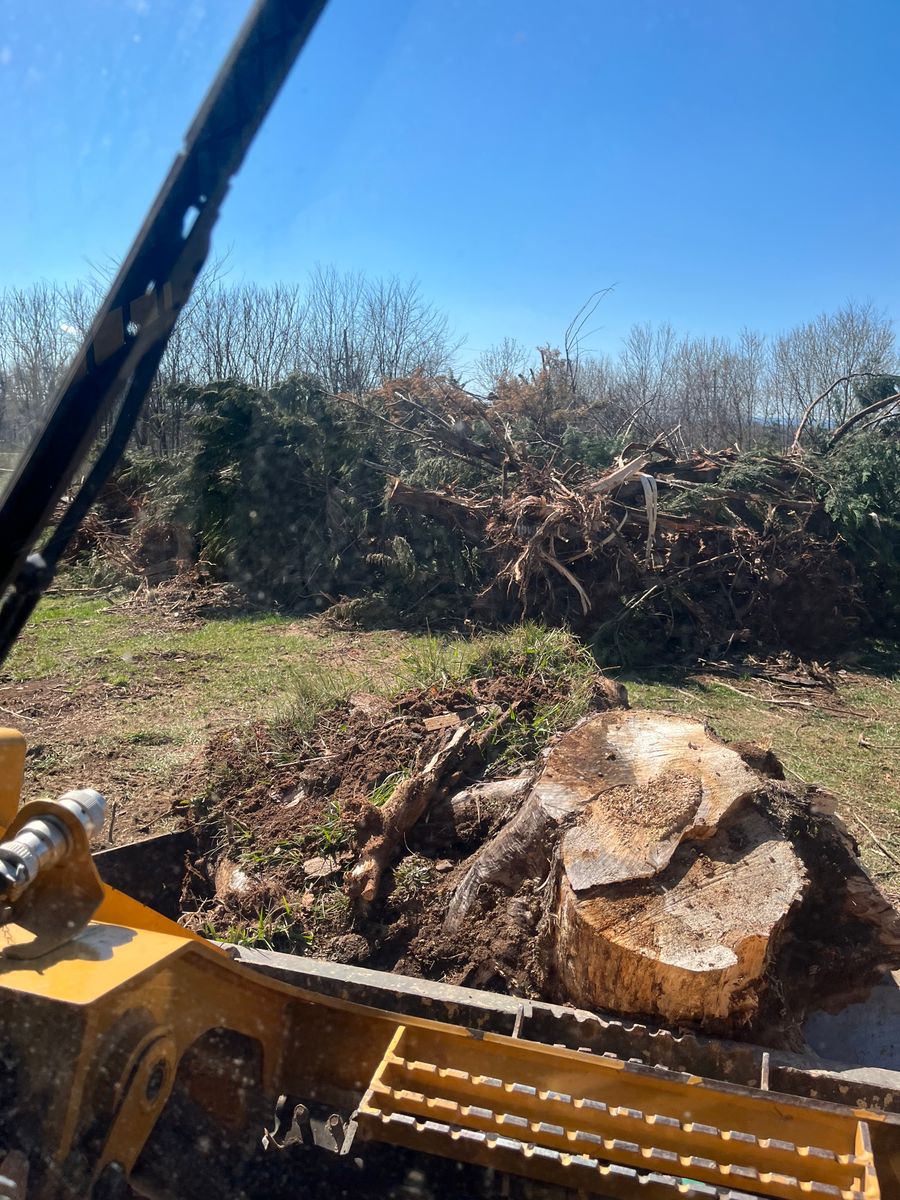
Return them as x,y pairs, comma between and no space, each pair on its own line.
123,696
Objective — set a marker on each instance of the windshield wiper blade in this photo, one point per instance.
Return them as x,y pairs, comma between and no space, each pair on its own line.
127,339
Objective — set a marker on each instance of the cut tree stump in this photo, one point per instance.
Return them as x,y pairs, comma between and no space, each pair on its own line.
679,883
637,784
698,939
627,787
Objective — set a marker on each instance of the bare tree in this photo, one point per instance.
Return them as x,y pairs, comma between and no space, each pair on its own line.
402,332
359,332
36,341
353,333
504,360
332,340
806,361
645,365
750,381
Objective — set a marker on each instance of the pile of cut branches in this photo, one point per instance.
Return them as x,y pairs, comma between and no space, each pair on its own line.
518,505
708,551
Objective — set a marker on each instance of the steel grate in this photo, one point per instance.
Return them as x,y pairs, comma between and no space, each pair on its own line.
610,1127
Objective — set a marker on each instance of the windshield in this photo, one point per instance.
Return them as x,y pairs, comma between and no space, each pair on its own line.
499,583
457,217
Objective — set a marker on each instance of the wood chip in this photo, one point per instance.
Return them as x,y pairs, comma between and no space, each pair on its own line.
442,721
319,867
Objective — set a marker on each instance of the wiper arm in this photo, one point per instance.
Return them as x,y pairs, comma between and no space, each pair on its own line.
121,352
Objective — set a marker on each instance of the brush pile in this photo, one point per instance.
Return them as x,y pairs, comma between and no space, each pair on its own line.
420,503
714,551
126,540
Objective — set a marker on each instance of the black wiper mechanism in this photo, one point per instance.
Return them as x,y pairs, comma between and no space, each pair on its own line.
121,353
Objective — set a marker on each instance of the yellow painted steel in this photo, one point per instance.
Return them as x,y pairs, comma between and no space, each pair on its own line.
120,909
576,1119
499,1101
97,962
134,1001
12,770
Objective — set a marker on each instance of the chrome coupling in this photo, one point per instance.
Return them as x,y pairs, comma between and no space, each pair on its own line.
44,840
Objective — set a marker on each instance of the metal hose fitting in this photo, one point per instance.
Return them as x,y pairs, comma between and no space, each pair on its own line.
43,841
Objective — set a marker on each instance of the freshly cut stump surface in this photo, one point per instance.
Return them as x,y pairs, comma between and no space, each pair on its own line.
637,784
623,789
646,920
697,939
670,892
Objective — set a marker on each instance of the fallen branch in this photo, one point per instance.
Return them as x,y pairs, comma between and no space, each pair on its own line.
795,444
860,416
764,699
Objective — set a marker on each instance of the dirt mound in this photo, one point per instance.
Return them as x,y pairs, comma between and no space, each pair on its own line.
283,813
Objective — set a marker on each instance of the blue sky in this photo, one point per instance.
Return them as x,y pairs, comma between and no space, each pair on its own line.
721,162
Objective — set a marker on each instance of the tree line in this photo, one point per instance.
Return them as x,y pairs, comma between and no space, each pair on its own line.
351,332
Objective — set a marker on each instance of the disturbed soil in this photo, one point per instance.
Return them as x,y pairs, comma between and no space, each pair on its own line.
292,814
291,830
125,697
70,734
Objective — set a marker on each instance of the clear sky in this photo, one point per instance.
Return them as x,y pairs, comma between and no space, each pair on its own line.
722,162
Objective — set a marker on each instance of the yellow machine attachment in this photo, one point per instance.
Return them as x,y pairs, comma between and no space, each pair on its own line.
140,1059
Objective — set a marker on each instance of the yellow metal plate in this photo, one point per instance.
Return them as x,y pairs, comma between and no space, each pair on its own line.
120,909
99,960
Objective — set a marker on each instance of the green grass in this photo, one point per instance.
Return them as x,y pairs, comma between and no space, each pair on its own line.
276,928
413,876
239,667
243,665
120,696
225,670
383,792
331,834
67,636
326,838
241,659
527,649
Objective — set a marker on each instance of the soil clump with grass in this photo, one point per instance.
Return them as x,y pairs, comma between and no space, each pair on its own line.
287,810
